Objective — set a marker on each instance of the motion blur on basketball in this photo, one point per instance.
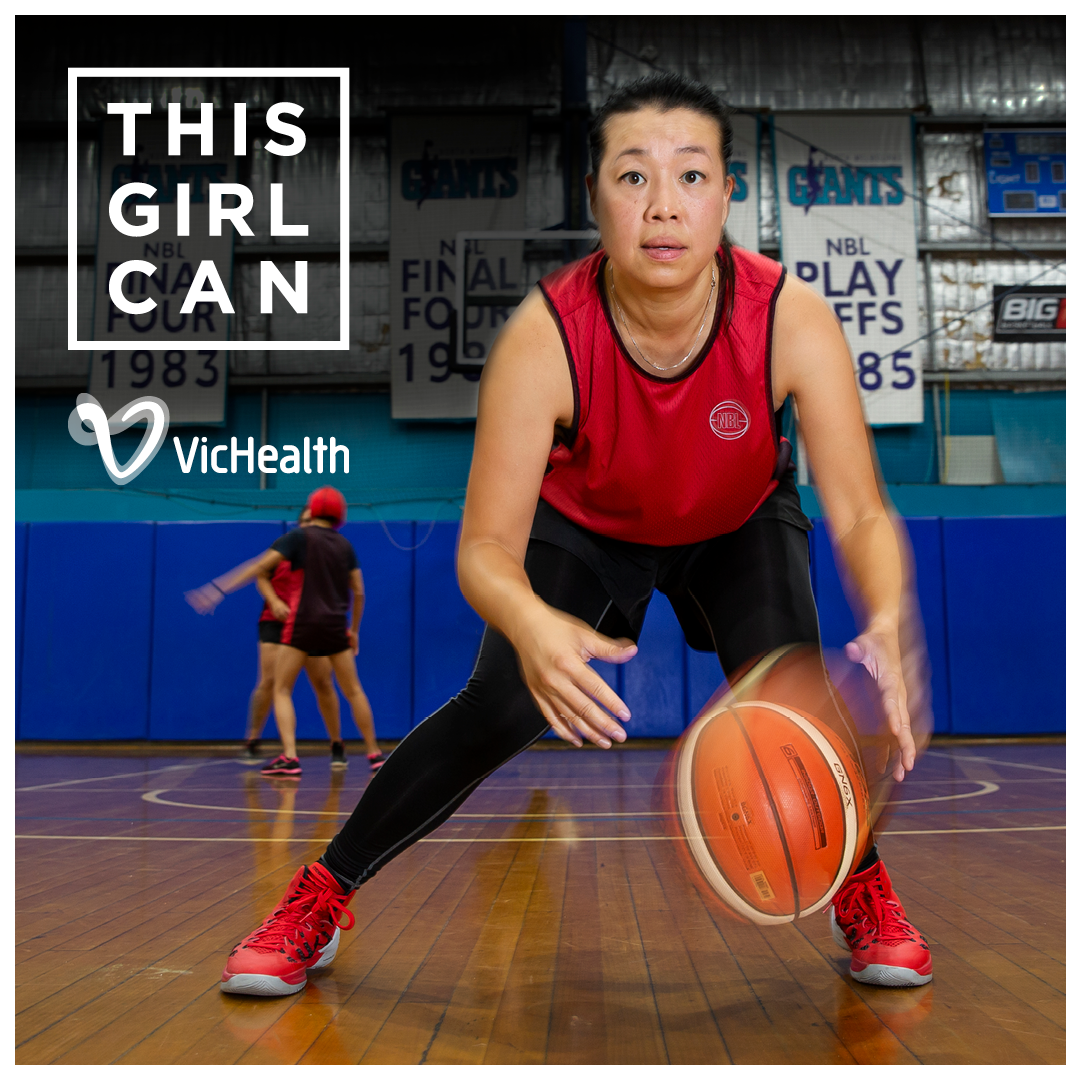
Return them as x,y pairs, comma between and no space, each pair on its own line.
773,807
767,800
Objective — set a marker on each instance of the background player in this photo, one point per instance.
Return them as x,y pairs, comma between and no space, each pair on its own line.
275,612
323,572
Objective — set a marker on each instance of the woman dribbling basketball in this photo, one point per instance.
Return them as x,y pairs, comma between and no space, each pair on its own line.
627,440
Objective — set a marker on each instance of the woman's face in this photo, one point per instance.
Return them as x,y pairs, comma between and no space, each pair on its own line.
661,195
305,518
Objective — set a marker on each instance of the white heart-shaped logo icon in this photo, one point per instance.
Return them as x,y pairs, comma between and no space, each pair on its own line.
88,409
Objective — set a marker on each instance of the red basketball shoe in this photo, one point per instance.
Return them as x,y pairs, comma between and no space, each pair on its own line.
867,917
302,934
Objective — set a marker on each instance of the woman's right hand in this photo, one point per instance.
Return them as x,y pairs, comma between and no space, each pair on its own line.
554,649
205,598
280,610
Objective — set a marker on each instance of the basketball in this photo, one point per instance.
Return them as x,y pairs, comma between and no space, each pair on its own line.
772,806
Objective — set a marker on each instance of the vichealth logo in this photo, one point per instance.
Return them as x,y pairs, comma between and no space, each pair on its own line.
88,412
291,459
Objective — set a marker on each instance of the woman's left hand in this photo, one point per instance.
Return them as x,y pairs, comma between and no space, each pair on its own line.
878,650
354,641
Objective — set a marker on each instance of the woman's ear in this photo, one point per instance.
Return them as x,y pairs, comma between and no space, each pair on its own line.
729,188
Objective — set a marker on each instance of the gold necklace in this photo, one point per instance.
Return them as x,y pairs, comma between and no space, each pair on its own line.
641,353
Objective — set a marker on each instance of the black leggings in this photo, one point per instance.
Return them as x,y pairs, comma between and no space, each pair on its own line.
751,589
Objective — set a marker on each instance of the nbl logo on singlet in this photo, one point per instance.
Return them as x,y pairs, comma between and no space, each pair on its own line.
729,420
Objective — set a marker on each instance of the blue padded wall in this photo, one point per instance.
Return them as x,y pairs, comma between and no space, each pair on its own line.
20,608
446,631
87,627
837,622
127,658
653,681
385,661
204,666
926,545
704,677
1005,599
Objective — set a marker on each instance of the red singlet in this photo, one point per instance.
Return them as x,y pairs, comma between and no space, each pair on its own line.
287,583
656,460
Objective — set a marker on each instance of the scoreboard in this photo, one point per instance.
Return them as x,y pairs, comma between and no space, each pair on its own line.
1025,172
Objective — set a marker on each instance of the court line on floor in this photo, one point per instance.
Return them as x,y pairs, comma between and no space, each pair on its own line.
555,784
994,761
555,789
483,839
1003,828
154,797
127,776
987,788
513,787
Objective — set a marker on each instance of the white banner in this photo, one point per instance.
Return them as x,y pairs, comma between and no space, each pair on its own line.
848,230
743,215
449,174
191,377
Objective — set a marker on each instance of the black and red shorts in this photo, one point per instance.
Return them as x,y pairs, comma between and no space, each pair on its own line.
318,640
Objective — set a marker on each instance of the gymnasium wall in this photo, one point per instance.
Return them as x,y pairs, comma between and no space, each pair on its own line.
418,470
107,648
406,469
953,74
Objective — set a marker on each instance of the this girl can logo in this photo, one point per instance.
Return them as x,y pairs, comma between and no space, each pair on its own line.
729,420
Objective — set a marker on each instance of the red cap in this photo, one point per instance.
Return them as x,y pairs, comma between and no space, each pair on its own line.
328,503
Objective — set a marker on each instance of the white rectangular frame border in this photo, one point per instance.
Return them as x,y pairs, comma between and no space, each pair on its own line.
342,74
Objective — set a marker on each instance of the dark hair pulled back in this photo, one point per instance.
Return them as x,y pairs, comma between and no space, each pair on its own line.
664,92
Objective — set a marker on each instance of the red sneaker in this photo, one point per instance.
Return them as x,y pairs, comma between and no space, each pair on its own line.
301,935
376,760
867,917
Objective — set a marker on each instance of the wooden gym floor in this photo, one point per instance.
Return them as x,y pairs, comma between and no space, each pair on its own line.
546,923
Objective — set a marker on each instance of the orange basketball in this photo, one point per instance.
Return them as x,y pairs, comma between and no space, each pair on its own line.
773,808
